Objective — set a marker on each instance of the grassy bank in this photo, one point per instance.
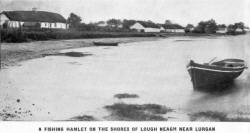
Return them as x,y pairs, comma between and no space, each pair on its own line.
17,36
41,35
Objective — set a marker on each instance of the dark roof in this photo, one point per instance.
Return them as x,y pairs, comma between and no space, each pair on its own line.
148,24
34,16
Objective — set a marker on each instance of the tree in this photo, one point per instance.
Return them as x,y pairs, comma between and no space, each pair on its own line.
200,28
240,25
206,27
189,28
221,26
211,26
127,23
114,22
231,29
74,20
168,22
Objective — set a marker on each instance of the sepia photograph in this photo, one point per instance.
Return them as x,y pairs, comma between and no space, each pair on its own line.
125,60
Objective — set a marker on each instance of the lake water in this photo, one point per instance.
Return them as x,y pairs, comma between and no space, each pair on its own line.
60,87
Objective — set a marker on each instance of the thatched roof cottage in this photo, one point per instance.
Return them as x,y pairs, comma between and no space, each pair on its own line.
37,19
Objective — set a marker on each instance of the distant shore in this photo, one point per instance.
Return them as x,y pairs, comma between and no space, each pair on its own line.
19,36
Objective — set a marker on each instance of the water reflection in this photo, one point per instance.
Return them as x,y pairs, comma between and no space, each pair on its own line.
227,100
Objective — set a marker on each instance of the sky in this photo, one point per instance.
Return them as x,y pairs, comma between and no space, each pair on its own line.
178,11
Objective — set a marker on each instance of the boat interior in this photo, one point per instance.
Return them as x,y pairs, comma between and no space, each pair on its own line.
229,63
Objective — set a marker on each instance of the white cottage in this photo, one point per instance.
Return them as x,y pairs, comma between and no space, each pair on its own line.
144,28
246,29
28,19
221,30
239,30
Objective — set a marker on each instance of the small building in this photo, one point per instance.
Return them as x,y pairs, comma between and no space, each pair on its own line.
246,29
221,30
142,27
32,19
239,30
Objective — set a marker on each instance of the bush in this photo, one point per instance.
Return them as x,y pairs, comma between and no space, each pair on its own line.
13,36
42,34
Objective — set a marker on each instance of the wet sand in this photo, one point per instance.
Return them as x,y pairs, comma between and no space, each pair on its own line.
13,53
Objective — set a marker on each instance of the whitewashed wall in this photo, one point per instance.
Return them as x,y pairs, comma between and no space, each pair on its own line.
238,30
53,25
222,31
3,19
15,24
152,30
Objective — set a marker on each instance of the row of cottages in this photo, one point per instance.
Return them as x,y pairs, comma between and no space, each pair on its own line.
142,27
224,30
32,19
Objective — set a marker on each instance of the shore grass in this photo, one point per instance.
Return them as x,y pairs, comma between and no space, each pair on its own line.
136,112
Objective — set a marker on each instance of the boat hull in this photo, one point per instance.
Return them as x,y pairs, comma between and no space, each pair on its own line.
212,78
105,44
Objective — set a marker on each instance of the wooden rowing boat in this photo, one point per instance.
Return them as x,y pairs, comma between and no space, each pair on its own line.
214,75
105,43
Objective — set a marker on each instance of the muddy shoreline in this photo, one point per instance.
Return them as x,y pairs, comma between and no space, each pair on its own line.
13,53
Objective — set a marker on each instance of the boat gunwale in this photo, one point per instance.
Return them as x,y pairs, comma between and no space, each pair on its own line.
216,70
209,67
